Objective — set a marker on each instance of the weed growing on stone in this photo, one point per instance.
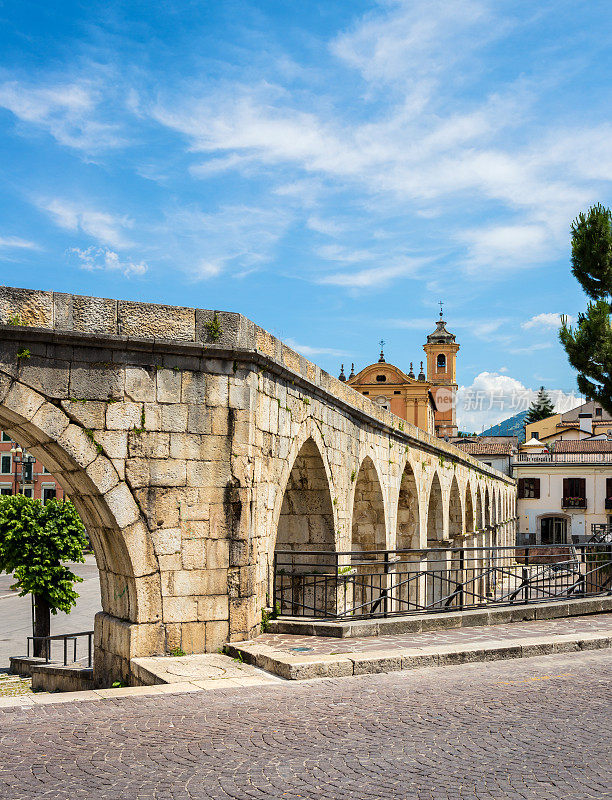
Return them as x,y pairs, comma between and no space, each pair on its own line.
23,352
177,652
214,329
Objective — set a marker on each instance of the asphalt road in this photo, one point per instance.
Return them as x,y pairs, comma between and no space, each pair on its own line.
534,729
16,612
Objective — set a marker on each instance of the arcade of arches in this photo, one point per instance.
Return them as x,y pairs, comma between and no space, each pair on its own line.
192,459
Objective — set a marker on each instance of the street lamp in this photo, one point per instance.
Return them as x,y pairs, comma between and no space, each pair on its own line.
21,456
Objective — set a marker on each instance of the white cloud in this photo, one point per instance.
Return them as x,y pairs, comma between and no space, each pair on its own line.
493,397
546,320
307,350
503,247
99,258
10,242
107,228
372,277
67,110
530,348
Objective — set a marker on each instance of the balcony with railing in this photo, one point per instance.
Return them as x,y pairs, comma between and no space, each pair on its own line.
561,458
574,502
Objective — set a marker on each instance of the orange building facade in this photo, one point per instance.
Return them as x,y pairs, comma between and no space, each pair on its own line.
21,473
427,401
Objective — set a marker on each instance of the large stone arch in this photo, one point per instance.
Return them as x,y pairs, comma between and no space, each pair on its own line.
408,531
456,525
368,518
479,509
469,510
486,507
306,516
435,511
129,571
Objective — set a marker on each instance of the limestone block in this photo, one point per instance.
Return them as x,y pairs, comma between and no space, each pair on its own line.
170,563
102,474
78,445
114,443
173,637
186,583
95,383
123,416
216,635
193,554
186,446
174,418
213,608
148,598
193,388
208,473
50,420
242,614
146,320
179,609
167,472
217,553
166,541
122,505
149,444
22,401
196,529
34,308
139,384
88,413
219,366
193,637
217,390
198,419
46,376
240,395
219,421
168,386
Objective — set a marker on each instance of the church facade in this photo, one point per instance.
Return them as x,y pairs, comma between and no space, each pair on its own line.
426,400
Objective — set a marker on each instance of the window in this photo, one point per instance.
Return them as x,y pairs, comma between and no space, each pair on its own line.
441,362
366,393
598,412
45,471
535,435
6,437
48,493
381,378
5,489
488,463
529,488
608,488
28,492
397,392
6,465
574,487
553,530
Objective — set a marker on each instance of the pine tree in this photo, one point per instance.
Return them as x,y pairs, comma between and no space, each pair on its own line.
541,407
589,346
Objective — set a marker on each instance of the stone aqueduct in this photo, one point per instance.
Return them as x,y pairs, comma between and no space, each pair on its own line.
193,442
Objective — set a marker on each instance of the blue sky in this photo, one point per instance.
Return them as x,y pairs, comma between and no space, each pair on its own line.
329,169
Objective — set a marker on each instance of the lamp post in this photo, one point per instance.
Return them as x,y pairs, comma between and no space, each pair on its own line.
21,456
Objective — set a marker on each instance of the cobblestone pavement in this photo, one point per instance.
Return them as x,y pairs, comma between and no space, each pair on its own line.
593,623
537,729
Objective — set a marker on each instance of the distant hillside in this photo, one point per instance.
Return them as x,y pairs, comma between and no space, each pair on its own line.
513,426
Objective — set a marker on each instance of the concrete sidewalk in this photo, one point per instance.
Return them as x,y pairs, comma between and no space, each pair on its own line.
301,657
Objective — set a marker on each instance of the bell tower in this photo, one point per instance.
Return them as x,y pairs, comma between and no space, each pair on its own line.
441,350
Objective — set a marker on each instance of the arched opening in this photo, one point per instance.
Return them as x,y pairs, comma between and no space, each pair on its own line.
408,525
487,507
128,570
305,539
435,513
469,510
479,514
441,362
368,530
306,521
455,512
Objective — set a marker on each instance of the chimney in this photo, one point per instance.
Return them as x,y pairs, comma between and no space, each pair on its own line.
586,424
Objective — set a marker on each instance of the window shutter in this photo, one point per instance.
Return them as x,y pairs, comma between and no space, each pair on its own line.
581,485
521,488
536,488
608,488
566,487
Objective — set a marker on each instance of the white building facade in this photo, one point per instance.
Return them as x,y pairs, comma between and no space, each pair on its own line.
561,492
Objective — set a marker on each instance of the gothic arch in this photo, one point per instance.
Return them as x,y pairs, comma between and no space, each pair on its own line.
455,511
469,510
435,511
368,518
408,520
306,518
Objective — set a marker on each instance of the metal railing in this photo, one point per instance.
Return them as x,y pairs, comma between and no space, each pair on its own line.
561,458
383,583
65,638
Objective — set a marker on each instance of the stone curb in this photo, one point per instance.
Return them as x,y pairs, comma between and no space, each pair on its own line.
298,668
418,623
46,698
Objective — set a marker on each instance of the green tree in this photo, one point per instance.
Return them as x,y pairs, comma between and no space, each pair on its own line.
541,407
36,540
589,345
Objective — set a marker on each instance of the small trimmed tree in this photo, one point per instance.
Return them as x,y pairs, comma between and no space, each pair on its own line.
589,345
541,407
36,541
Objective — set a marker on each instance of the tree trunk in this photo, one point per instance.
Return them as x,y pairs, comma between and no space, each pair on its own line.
42,626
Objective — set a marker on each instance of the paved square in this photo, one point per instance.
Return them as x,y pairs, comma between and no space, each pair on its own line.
536,728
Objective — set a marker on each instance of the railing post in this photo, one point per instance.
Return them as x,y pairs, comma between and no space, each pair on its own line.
274,583
386,589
